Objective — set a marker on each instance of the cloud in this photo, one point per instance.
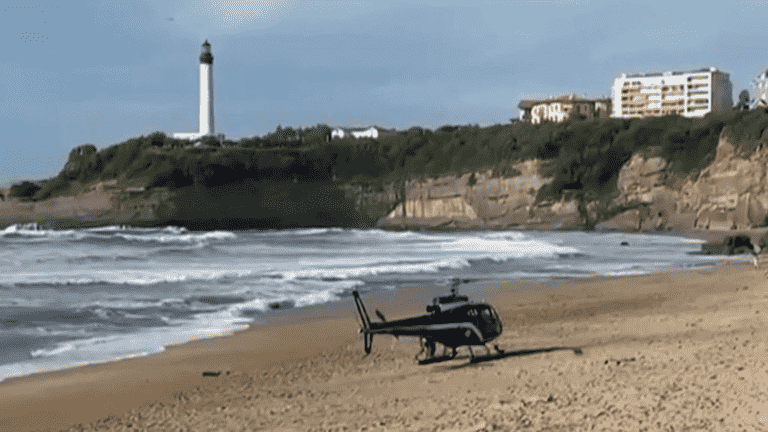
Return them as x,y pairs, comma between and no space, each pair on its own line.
233,14
237,14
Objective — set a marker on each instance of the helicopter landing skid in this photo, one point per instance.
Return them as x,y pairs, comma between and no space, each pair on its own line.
428,347
435,360
488,356
445,356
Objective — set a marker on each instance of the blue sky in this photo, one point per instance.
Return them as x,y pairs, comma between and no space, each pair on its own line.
101,72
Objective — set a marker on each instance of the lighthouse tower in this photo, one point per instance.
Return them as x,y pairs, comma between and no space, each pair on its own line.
206,90
206,98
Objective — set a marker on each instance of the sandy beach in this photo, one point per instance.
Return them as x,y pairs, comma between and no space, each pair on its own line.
674,351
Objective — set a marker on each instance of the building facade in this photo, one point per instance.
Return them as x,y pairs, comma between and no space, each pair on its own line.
371,132
563,108
760,85
686,93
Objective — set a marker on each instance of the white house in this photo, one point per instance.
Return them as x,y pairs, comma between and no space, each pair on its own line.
371,132
562,108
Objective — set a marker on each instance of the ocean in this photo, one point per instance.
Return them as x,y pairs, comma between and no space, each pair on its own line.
84,296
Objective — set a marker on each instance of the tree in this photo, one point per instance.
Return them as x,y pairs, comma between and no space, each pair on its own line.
23,189
743,100
83,163
157,139
210,141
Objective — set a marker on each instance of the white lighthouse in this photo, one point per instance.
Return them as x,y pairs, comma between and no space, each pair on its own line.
206,97
206,90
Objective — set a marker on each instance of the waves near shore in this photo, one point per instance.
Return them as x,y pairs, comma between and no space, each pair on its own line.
72,297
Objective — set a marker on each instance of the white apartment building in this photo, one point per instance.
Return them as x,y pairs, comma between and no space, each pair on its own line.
760,84
686,93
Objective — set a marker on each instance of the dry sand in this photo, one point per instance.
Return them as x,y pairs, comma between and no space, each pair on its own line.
677,351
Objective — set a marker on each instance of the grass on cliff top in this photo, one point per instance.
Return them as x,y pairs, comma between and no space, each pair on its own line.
582,155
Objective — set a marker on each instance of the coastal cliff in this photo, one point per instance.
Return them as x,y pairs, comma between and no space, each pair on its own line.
731,193
480,200
654,174
241,205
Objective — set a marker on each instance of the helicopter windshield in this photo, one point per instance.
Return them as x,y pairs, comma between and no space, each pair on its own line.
487,320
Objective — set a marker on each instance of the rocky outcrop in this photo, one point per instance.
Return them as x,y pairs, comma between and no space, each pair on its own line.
729,194
650,204
480,200
93,208
246,204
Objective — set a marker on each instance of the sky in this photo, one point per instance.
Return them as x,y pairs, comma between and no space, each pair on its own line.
103,71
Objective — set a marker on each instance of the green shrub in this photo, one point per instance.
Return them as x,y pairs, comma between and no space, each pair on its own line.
51,188
24,189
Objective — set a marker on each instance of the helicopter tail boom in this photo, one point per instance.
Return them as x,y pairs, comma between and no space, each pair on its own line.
366,330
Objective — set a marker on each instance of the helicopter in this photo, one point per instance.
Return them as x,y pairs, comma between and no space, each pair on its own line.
451,321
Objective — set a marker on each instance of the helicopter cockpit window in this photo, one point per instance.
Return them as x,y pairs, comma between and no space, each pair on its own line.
487,320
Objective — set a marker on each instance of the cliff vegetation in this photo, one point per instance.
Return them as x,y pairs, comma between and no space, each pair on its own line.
583,159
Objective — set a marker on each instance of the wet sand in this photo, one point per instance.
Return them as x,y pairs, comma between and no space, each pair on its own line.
669,351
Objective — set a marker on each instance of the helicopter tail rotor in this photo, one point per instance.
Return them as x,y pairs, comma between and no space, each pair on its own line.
366,330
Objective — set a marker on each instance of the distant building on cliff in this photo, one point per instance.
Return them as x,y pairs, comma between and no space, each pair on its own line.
206,98
357,133
760,84
562,108
686,93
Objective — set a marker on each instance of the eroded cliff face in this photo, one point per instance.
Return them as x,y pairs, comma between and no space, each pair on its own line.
95,207
241,205
493,202
642,184
730,193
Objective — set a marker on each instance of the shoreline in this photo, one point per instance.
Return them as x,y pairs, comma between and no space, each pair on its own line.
282,315
89,393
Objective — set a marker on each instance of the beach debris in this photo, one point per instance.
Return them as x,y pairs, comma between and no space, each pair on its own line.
283,304
211,374
625,243
618,362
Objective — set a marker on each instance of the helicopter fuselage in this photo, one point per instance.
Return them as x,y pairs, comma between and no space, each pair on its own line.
452,325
